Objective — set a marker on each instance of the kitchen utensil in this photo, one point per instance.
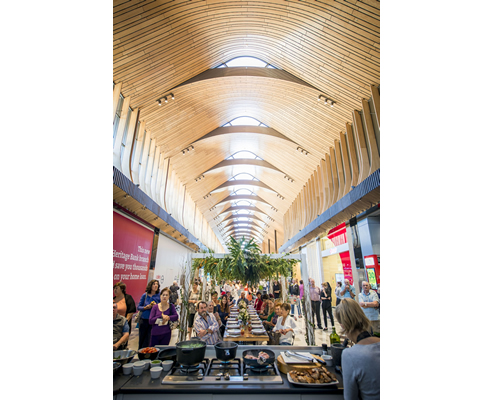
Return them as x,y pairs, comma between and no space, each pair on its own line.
190,356
311,384
285,367
290,358
155,372
123,356
328,360
147,364
336,352
225,351
299,355
127,368
258,363
168,354
167,365
137,370
148,356
116,367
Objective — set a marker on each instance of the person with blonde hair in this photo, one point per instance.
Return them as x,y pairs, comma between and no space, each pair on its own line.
361,362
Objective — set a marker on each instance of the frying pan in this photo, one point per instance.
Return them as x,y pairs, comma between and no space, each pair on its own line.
254,363
167,354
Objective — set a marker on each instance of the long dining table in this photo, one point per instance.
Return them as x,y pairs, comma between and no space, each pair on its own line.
247,337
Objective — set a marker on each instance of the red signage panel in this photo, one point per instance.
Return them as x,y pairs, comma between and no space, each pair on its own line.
347,267
132,247
338,235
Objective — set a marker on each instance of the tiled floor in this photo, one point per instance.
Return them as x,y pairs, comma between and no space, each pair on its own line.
320,335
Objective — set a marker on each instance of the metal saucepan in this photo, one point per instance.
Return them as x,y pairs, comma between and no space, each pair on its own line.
225,351
190,352
258,363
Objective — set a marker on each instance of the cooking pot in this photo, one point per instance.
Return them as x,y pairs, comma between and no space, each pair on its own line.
225,351
190,352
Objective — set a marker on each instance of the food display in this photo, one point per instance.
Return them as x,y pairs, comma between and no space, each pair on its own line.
261,354
148,350
192,345
313,375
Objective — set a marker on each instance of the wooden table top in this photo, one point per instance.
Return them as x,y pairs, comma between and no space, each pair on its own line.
247,337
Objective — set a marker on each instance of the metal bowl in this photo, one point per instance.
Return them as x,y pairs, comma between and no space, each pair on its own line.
116,366
123,356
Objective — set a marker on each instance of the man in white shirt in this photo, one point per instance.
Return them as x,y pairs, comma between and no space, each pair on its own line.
206,326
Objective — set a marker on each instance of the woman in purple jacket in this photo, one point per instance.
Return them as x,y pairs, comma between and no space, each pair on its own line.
160,316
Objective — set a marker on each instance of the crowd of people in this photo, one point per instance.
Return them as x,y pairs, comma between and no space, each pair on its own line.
358,320
158,308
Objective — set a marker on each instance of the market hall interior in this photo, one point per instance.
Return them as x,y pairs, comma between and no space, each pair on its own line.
254,119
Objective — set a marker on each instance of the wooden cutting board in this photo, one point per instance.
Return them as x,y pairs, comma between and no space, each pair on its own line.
285,368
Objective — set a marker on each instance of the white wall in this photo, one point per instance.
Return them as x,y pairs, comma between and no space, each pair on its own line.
169,258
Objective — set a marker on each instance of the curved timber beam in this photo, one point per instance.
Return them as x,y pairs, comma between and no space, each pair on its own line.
243,130
234,217
246,233
247,236
260,72
248,197
244,161
232,224
248,229
244,182
248,208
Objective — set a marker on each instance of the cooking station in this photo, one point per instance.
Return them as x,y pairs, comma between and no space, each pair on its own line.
231,372
218,380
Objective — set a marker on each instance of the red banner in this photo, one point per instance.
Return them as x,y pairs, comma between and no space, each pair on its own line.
132,247
347,267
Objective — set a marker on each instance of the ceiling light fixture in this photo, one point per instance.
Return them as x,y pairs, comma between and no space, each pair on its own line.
159,101
327,100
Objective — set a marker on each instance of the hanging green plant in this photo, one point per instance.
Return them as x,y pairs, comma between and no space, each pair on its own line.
244,262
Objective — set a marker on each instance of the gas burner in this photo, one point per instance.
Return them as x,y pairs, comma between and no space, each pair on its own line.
232,372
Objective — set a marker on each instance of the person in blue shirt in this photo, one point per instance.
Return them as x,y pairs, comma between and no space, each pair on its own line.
150,298
369,302
348,291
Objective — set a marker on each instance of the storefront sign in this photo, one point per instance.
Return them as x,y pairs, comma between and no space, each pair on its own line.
132,246
338,235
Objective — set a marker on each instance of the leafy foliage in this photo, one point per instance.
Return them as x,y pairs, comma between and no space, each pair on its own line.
244,262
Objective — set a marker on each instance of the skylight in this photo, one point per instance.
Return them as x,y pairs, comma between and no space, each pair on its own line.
243,203
246,61
245,120
243,191
244,154
243,177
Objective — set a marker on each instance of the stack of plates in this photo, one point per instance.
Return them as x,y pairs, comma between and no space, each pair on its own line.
232,326
257,331
233,332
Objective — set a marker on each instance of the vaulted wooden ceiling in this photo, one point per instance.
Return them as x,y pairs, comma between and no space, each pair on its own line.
328,48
